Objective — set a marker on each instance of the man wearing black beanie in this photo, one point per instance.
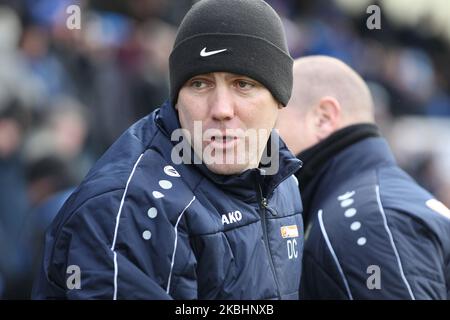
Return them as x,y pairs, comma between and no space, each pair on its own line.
216,215
238,36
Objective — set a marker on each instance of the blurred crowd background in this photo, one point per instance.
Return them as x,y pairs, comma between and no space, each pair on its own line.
66,95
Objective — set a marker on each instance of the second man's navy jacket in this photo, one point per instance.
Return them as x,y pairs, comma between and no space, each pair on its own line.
373,232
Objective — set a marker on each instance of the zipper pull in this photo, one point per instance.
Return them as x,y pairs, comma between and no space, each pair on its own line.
264,202
265,205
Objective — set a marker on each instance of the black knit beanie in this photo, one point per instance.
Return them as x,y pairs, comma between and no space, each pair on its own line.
239,36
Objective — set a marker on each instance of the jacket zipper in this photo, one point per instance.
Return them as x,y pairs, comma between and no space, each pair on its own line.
264,206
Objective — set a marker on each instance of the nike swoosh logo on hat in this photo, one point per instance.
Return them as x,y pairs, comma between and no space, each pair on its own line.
203,53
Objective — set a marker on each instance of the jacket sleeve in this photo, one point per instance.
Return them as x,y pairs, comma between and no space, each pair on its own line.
419,257
383,255
402,259
101,253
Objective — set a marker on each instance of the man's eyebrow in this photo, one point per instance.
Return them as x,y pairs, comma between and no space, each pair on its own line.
239,76
207,75
234,75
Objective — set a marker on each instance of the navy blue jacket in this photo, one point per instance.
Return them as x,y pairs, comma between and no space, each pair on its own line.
142,227
372,232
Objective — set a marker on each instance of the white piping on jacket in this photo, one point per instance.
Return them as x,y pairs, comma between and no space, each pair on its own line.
116,267
330,247
391,239
175,244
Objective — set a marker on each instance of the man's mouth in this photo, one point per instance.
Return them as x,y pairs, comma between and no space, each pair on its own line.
223,141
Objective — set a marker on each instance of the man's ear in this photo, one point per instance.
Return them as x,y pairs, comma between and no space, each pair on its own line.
327,117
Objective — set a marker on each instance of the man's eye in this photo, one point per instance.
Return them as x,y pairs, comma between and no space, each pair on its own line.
198,84
244,84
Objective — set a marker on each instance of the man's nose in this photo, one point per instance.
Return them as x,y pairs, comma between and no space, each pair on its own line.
222,104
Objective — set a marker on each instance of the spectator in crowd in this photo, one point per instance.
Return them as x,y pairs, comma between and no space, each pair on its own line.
13,198
49,182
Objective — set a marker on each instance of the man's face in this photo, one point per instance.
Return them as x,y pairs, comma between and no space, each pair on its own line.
297,127
236,114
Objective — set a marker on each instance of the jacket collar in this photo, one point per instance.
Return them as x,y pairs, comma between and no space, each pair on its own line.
343,154
239,184
320,154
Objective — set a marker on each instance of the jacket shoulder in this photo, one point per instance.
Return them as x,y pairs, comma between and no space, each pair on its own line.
371,226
